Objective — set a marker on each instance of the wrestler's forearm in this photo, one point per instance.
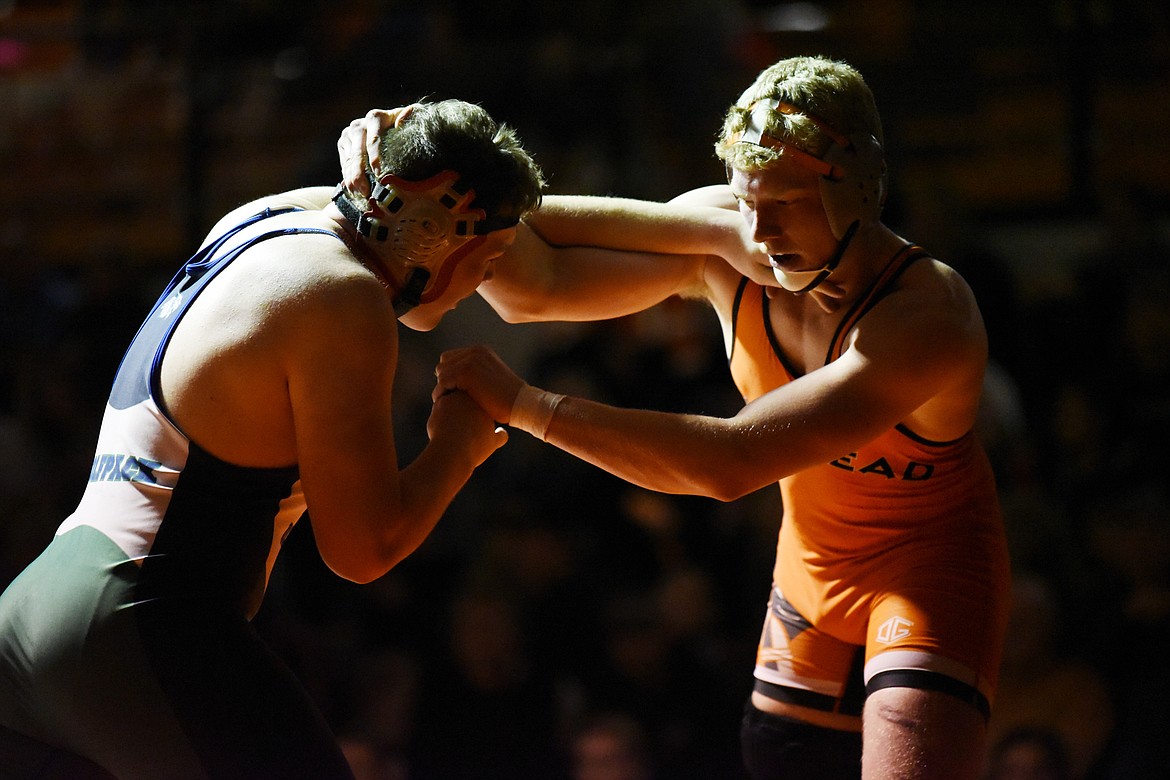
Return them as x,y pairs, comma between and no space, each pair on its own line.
636,225
535,281
669,453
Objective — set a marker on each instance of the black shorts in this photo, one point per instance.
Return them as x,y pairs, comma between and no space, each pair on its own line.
779,748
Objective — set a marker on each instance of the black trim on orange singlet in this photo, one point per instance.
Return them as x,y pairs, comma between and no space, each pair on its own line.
739,291
767,321
902,429
901,260
775,342
850,702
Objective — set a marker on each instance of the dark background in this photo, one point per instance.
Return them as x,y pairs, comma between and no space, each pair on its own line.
1029,146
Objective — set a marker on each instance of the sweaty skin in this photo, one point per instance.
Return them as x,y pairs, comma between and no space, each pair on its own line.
865,377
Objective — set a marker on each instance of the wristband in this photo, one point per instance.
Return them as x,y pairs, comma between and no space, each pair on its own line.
533,410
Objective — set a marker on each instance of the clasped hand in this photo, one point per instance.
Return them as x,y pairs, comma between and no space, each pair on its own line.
479,372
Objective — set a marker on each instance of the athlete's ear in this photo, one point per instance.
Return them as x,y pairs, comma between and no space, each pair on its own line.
859,193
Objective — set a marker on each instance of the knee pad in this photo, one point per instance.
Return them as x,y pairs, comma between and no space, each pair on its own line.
775,747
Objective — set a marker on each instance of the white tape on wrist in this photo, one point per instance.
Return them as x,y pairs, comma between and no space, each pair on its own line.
533,410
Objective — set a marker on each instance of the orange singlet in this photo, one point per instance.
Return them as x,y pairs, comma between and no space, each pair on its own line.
897,550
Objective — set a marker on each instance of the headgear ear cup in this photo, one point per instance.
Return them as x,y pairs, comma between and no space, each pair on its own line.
858,194
429,226
852,182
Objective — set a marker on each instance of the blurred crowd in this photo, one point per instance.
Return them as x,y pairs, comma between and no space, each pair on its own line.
560,623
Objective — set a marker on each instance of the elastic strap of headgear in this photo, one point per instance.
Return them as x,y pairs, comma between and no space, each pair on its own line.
754,133
852,168
360,220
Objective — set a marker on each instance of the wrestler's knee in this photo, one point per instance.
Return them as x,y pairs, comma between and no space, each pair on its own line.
776,747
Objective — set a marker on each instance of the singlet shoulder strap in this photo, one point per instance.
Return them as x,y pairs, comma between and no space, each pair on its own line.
750,321
735,308
138,374
207,255
901,260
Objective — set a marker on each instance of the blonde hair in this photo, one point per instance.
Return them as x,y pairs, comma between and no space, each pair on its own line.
831,90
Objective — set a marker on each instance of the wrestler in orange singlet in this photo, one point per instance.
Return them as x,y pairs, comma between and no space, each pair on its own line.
861,359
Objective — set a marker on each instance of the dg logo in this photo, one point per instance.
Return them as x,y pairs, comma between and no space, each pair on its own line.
894,629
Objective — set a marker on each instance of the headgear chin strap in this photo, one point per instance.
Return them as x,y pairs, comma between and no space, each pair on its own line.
803,281
852,182
429,227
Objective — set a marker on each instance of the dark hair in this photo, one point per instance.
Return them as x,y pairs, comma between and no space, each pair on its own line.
462,137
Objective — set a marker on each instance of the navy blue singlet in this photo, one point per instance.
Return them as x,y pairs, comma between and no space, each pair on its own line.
128,640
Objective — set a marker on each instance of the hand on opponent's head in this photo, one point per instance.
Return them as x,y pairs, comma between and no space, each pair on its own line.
358,145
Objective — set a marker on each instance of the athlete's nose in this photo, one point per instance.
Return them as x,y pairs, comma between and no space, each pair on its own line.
764,225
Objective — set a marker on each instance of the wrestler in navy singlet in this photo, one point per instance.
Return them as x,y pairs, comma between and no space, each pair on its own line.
128,640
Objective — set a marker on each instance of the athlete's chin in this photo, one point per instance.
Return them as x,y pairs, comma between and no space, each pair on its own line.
762,275
419,322
779,278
